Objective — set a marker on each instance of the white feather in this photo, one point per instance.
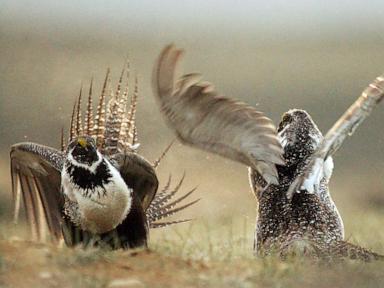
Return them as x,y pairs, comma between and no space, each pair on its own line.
312,182
100,212
281,136
321,170
328,168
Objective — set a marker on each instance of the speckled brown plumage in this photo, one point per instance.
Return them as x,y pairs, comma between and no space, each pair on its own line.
37,177
295,206
310,219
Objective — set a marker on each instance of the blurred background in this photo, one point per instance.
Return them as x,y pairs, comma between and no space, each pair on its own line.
276,55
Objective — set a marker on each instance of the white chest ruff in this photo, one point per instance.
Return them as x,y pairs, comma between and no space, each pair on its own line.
103,208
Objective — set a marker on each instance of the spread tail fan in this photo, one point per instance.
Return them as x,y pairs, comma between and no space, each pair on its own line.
113,125
36,173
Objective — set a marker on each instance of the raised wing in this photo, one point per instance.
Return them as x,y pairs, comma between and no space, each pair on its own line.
139,174
35,172
220,125
332,141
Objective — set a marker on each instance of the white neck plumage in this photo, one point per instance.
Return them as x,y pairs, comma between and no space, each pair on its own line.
102,207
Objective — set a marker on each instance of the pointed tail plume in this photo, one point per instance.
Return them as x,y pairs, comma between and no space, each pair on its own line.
163,207
72,130
156,163
89,113
79,127
99,127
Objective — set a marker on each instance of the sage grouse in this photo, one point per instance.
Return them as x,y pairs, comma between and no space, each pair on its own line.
97,190
289,167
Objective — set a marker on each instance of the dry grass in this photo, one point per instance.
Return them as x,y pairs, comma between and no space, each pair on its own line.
192,255
208,252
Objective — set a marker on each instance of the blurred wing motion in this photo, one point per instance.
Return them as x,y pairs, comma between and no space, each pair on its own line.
344,127
35,171
214,123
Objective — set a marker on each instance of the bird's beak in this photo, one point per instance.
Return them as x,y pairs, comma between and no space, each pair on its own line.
82,142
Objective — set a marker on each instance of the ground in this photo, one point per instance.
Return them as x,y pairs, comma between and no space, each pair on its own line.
195,255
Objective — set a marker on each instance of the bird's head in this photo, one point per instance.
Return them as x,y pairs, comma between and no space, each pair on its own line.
82,151
298,135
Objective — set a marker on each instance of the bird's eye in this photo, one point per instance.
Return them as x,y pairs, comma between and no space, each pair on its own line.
287,118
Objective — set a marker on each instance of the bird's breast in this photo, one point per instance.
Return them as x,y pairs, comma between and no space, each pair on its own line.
102,207
106,208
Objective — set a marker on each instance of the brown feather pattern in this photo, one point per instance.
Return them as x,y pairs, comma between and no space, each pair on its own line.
79,127
157,162
206,120
344,127
161,207
99,127
115,131
36,169
89,121
72,129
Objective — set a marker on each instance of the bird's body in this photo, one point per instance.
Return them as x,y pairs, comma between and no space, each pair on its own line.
97,190
306,216
290,167
92,192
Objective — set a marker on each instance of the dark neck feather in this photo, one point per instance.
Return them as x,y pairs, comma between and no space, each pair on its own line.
87,180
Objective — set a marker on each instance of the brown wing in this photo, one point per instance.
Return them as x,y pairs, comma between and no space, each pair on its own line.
139,174
35,172
332,141
220,125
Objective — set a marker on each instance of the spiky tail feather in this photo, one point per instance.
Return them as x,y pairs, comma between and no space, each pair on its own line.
162,205
113,125
348,250
89,122
325,251
115,131
156,163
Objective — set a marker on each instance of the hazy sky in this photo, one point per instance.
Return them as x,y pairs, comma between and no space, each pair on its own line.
297,17
315,55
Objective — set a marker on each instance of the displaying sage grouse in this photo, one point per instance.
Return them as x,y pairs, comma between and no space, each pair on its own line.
97,190
289,167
